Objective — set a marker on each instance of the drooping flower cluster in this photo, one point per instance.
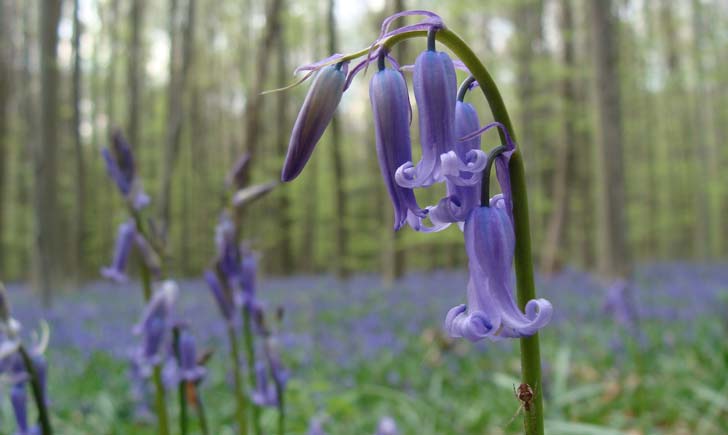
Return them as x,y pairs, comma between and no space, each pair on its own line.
449,132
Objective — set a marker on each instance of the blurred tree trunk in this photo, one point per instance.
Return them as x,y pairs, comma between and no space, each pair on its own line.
708,235
134,73
613,259
553,247
112,25
6,56
339,203
79,236
284,248
254,104
44,157
179,65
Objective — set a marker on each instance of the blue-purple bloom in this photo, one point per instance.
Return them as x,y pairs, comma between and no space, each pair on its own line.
124,242
391,111
222,295
316,427
19,401
155,326
120,167
387,426
189,370
491,310
265,393
315,115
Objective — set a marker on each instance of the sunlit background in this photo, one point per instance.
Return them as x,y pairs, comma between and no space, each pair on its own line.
622,134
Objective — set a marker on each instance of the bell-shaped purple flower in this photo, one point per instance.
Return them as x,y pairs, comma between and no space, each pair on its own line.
391,111
315,115
122,249
435,86
120,167
491,310
248,278
265,393
387,426
190,371
19,401
155,326
222,295
461,198
228,252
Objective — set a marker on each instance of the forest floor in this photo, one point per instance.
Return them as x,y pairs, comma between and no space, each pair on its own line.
657,363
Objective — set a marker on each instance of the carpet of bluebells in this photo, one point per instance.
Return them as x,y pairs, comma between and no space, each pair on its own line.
652,363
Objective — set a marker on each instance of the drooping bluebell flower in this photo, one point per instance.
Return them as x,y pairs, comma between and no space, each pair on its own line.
265,393
222,295
461,199
228,252
391,112
491,310
387,426
155,326
248,278
140,390
189,370
122,249
316,427
120,167
19,401
315,115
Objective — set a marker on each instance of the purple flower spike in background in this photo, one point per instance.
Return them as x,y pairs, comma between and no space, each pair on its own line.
265,393
155,326
491,310
223,298
391,111
19,401
189,369
435,87
387,426
124,242
120,167
315,115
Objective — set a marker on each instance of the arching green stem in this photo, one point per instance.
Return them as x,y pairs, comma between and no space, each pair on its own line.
525,287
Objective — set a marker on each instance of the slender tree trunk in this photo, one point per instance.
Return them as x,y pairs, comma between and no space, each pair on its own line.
563,164
80,176
175,102
285,225
613,260
134,72
339,200
44,158
5,79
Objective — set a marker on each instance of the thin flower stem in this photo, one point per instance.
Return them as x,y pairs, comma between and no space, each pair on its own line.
241,410
40,402
250,360
181,387
525,287
201,416
281,410
160,400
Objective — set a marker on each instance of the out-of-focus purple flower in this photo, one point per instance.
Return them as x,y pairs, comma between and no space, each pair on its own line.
9,328
228,252
120,167
248,278
265,393
391,111
140,391
387,426
155,326
19,401
620,303
435,87
315,115
124,242
491,310
222,295
236,177
316,427
41,371
190,371
273,356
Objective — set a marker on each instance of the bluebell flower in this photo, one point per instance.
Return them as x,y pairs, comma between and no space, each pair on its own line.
155,326
491,310
391,112
19,401
265,393
316,427
222,295
315,115
387,426
120,167
228,260
190,371
122,249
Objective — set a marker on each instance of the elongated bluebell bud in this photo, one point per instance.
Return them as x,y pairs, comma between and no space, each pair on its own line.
315,115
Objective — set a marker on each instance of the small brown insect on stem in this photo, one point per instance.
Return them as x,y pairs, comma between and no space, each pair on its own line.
525,396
